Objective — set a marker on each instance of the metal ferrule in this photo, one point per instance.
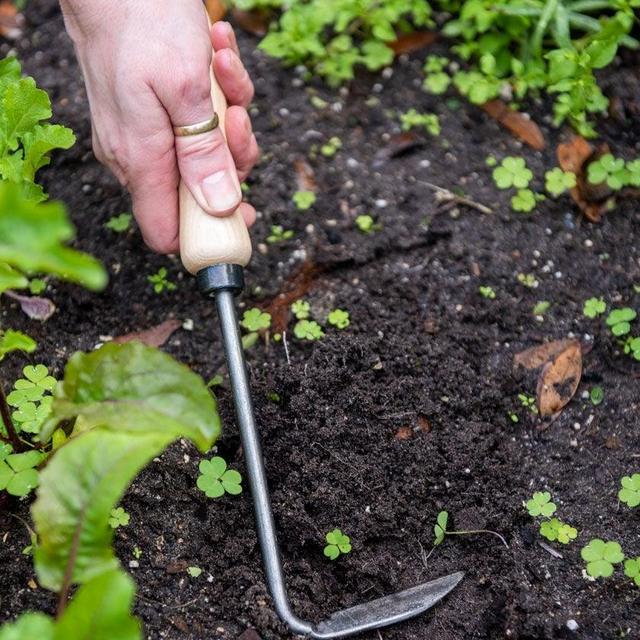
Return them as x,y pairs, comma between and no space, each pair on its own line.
221,277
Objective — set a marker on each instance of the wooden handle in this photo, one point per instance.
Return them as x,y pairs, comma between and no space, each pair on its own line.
207,240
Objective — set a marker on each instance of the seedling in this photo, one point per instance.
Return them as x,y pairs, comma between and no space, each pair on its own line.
528,280
255,319
528,402
512,172
632,347
437,80
487,292
600,557
630,491
632,569
120,223
37,286
557,181
339,318
137,552
33,386
118,518
304,199
610,170
18,473
337,544
215,479
541,308
301,309
428,121
525,201
594,307
633,173
596,395
216,381
308,330
366,224
440,531
330,148
160,282
279,234
194,572
619,321
555,530
540,505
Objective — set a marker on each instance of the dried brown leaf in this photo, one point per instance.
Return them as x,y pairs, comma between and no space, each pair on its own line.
398,145
34,307
535,357
516,123
153,337
404,433
414,41
305,175
559,380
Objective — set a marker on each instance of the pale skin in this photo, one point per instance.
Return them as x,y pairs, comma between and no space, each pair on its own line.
146,68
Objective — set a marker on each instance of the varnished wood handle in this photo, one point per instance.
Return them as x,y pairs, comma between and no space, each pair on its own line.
207,240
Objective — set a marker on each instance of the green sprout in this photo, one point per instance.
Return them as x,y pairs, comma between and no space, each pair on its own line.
337,544
18,473
33,386
619,321
540,505
120,223
330,148
339,318
301,309
308,330
487,292
528,402
137,552
525,200
600,557
215,479
512,172
255,319
37,286
596,395
555,530
633,171
279,234
304,199
632,347
541,308
594,307
630,491
429,121
440,531
610,170
437,80
528,280
366,224
118,518
632,569
160,282
557,181
194,572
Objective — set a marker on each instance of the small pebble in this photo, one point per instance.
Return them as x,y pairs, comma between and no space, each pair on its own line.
133,564
381,203
187,325
572,625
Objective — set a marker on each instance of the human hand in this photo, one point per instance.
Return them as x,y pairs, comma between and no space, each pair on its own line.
146,68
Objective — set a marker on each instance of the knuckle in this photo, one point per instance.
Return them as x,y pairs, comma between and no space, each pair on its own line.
192,84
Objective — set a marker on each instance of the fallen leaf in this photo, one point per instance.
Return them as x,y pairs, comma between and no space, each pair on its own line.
255,22
249,634
517,123
11,21
403,433
35,307
216,9
535,357
423,424
177,566
305,176
398,145
153,337
414,41
559,380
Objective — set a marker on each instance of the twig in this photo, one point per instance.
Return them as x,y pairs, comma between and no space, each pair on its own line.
13,438
286,347
463,533
551,550
448,196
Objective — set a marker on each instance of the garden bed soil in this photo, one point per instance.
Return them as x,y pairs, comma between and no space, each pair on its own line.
425,356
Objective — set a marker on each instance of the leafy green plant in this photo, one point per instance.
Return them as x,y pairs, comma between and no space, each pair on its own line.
487,292
557,181
528,280
594,307
367,224
528,402
596,395
630,490
512,172
308,330
601,557
160,281
215,479
524,200
337,544
619,321
609,170
279,234
555,530
633,173
304,199
541,505
120,223
339,318
255,319
18,473
11,340
437,80
301,309
118,518
541,307
331,147
632,347
441,530
194,572
632,569
428,121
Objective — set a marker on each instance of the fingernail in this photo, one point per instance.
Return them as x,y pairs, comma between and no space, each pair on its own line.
228,28
221,191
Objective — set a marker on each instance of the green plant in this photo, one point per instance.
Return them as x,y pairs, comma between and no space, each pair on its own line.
18,473
215,479
301,309
557,181
160,282
304,199
118,518
366,224
331,147
632,569
540,505
279,234
555,530
594,307
255,319
541,307
512,172
600,557
633,173
596,395
609,170
632,347
194,572
308,330
437,80
337,544
528,280
37,286
120,223
619,321
528,402
11,340
487,292
440,530
524,200
339,318
428,121
630,491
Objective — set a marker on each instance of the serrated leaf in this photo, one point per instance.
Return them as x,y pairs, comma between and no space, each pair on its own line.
23,107
15,341
11,279
40,141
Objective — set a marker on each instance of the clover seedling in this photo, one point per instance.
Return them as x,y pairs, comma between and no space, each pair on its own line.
632,569
594,307
512,172
610,170
301,309
541,308
555,530
366,224
308,330
633,173
279,234
540,505
37,286
32,387
632,346
304,199
525,201
118,518
160,282
337,544
487,292
528,280
18,474
600,557
255,319
120,223
339,318
331,147
596,395
194,572
215,479
437,80
557,181
429,121
630,491
440,530
619,320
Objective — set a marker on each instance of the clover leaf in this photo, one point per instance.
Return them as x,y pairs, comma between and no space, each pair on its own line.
594,307
18,474
215,479
632,569
619,320
33,386
366,224
308,330
120,223
554,530
301,309
337,543
558,181
304,199
540,504
512,172
610,170
630,492
440,528
339,318
524,200
632,346
633,171
118,518
255,319
600,557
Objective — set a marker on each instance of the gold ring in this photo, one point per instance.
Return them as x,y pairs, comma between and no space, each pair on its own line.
198,128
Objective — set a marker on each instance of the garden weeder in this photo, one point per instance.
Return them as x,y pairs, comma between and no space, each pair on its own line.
215,250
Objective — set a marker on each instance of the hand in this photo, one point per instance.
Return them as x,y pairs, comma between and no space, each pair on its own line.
146,68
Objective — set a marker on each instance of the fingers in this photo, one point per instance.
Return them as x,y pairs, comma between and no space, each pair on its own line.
242,142
230,72
223,37
248,213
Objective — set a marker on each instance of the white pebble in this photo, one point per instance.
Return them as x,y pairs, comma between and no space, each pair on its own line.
572,625
187,325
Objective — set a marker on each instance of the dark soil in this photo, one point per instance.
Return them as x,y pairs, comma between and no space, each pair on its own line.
424,351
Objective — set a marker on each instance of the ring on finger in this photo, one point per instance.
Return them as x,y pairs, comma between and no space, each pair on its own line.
196,129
